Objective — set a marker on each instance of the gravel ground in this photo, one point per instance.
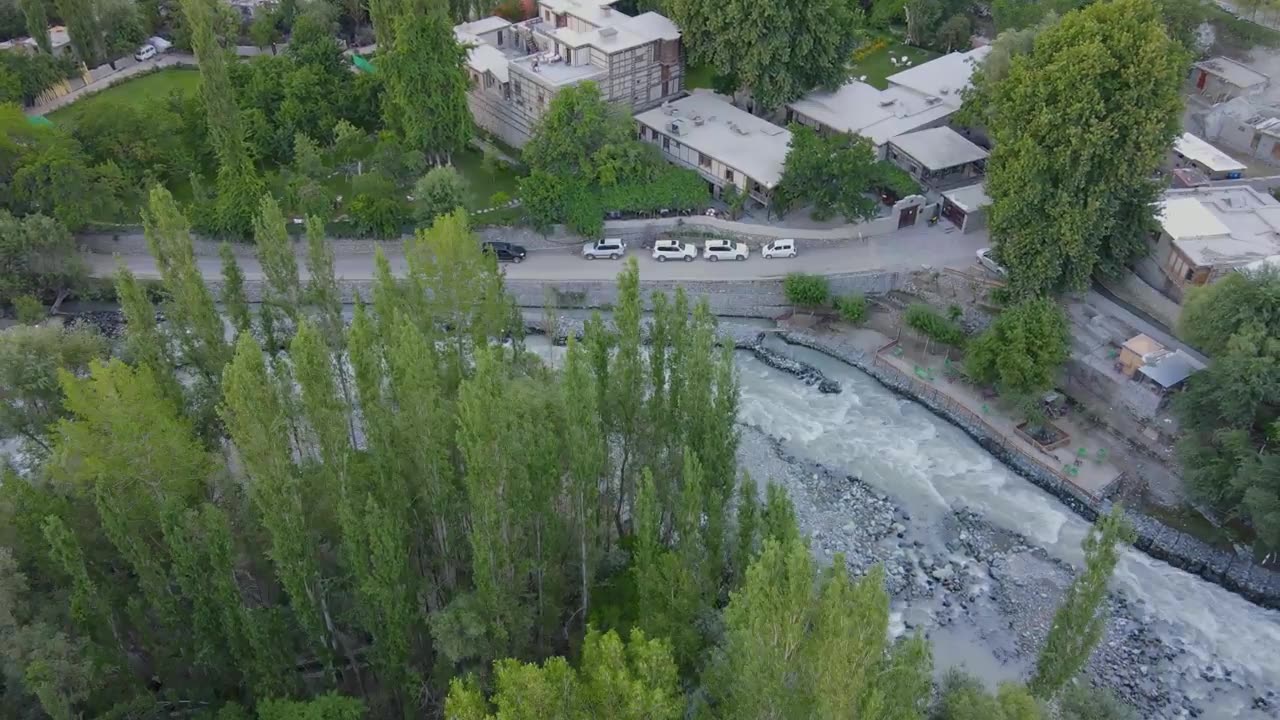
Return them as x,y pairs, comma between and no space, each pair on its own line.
984,596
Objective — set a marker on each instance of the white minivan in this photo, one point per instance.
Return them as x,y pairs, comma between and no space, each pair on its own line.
146,52
779,249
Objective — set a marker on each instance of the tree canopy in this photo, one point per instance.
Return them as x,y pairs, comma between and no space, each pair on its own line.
1080,125
1023,350
1230,412
740,40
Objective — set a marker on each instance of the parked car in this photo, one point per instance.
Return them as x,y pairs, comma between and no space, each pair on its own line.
986,260
714,250
146,52
664,250
505,252
779,249
611,248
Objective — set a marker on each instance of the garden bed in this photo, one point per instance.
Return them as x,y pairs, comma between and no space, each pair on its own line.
1045,435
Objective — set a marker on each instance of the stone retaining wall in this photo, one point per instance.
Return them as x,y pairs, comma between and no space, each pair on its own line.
1235,572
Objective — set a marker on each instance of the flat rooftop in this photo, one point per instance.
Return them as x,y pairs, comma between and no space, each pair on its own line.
1198,150
939,148
557,73
916,97
483,25
711,125
1221,226
944,77
1233,72
969,198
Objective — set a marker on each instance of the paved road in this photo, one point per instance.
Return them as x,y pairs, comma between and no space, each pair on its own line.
905,250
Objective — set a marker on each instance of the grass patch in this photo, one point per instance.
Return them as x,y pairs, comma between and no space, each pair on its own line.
877,67
481,182
698,76
145,90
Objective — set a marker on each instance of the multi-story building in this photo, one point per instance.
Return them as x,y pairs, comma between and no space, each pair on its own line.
516,68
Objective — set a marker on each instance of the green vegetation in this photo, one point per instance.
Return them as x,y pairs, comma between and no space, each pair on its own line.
145,93
805,290
584,161
853,308
875,65
807,43
1081,619
1054,220
1021,353
1230,412
929,323
698,76
836,174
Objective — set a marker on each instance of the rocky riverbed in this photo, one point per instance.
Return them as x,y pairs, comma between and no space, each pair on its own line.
985,596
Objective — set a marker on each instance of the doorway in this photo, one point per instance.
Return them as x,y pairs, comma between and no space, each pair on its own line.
908,216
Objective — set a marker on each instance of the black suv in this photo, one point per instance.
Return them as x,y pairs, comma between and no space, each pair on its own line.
505,252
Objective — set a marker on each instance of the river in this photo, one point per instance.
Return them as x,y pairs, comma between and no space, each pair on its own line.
1224,652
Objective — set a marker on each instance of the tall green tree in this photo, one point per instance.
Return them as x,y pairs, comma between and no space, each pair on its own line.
1023,350
426,83
37,257
37,17
31,358
776,68
145,345
81,19
198,326
1230,412
964,697
1080,126
833,173
232,296
632,680
1081,618
279,264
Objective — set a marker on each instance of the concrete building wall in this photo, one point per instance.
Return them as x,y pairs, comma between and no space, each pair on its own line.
714,170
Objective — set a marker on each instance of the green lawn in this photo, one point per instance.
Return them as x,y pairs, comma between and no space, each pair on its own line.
143,90
876,66
697,76
483,184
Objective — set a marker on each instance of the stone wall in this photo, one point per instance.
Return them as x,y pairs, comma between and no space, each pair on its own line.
731,298
1233,571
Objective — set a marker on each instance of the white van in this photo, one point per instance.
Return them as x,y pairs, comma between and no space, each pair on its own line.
146,52
785,248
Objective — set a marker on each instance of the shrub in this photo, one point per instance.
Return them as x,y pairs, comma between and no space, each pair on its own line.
1023,349
28,309
853,308
806,290
926,321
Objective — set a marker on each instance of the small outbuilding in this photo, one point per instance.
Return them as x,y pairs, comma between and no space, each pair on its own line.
937,156
1190,151
1221,79
966,207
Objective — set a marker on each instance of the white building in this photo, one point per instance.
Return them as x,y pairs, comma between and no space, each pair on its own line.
1221,78
1246,127
1193,152
725,144
516,69
1208,231
917,98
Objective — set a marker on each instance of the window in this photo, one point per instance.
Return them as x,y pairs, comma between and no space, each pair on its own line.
654,131
666,143
728,174
499,38
1190,272
704,161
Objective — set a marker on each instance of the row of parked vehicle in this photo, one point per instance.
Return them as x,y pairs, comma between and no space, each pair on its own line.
712,250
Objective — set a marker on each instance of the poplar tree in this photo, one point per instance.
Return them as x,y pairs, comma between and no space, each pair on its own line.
238,183
626,389
233,297
83,29
199,330
585,447
145,345
37,18
383,15
1081,619
322,293
283,290
255,419
426,82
